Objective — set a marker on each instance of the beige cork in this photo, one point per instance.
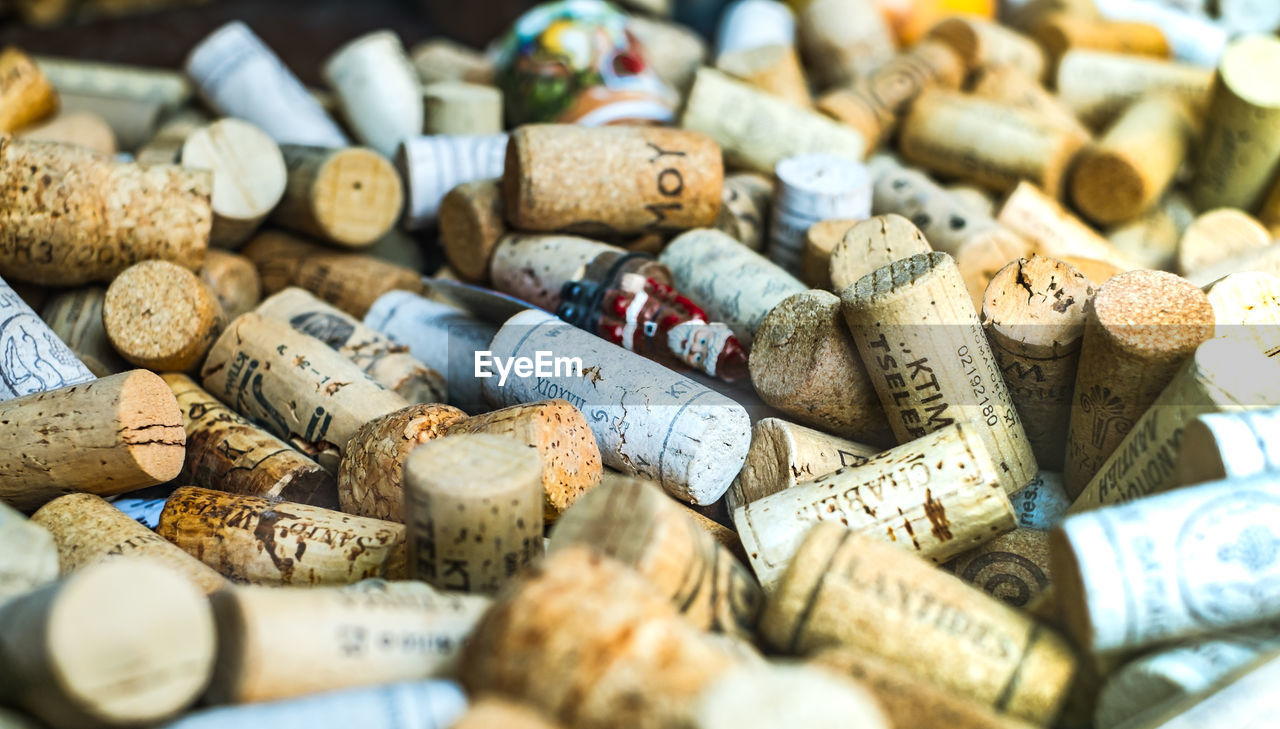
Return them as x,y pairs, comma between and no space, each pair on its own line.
929,359
536,267
873,243
1013,567
159,315
109,436
819,241
26,96
471,222
610,180
983,43
371,476
89,530
1057,233
262,541
128,643
975,198
787,694
28,554
76,317
70,216
1219,235
1034,314
248,176
1141,328
225,452
1151,240
784,454
558,432
673,50
458,107
1060,32
744,208
1265,260
1099,85
848,590
129,123
473,505
1013,86
164,147
773,68
350,196
1246,308
490,712
234,281
441,59
78,128
805,364
842,40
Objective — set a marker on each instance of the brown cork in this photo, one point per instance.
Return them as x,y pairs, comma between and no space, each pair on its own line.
611,180
842,40
471,223
159,315
1140,329
233,280
371,476
784,454
1217,236
26,96
494,713
89,530
268,542
773,68
28,555
75,316
1057,233
1013,86
78,128
248,176
1013,567
984,44
873,243
1034,315
1060,32
851,591
350,196
821,238
57,228
744,208
110,436
1099,85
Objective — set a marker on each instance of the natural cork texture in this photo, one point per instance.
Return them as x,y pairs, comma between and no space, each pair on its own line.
76,317
26,96
159,315
610,180
471,222
937,496
491,712
1034,314
110,436
873,243
233,279
851,591
744,208
28,555
1217,236
1056,232
842,40
822,238
536,267
983,43
1099,85
269,542
1151,240
1013,567
1060,32
773,68
350,196
69,216
248,176
784,454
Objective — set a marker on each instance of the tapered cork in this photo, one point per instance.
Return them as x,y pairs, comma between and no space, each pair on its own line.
819,241
350,196
127,643
842,40
225,452
1013,567
28,555
1141,328
1057,233
536,267
760,696
234,281
784,454
89,530
1246,308
773,68
938,496
1012,85
983,43
380,92
78,128
1034,314
1217,236
458,107
159,315
76,317
1099,85
930,361
473,506
1060,32
262,541
471,223
442,59
744,208
58,230
872,243
1229,445
26,96
491,712
813,188
248,176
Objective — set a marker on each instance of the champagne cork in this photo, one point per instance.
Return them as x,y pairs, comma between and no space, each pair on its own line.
471,223
225,452
819,241
932,363
234,281
756,130
78,128
494,713
647,419
121,644
761,696
1229,445
1059,32
442,59
1264,260
349,196
26,96
1013,567
1217,236
1013,86
339,638
1193,37
774,69
848,590
805,364
431,166
109,436
1141,328
1151,240
658,179
88,531
1246,308
420,704
248,176
75,316
28,555
983,43
458,107
35,359
1099,85
634,522
238,75
536,268
784,454
160,212
1034,315
167,87
754,23
744,208
842,40
159,315
1043,503
473,506
872,243
674,51
260,541
811,188
1036,216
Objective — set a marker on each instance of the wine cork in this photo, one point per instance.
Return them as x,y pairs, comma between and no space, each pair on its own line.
167,87
744,208
28,556
760,695
536,268
164,146
754,23
1013,567
756,130
872,243
1193,37
1043,503
160,212
1057,233
78,128
819,241
237,75
1217,236
234,281
248,176
422,704
783,454
1034,315
225,452
349,196
75,316
26,96
673,50
121,644
494,713
1263,260
842,40
1013,86
431,166
932,363
473,505
1099,85
1246,308
1229,445
1151,240
35,358
471,223
458,107
159,315
88,530
805,364
975,198
97,121
442,59
261,541
1059,32
774,69
811,188
983,43
837,593
1242,698
1141,328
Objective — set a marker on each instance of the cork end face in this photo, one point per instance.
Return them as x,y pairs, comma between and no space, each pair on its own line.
471,223
1036,306
1154,314
357,197
151,426
1248,68
1108,188
158,315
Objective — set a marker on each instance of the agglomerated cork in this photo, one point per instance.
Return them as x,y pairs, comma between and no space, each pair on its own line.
1014,86
744,208
159,315
471,223
1013,567
351,196
1229,445
1057,233
1060,32
76,317
1099,85
234,281
248,176
819,241
842,40
872,243
1216,236
773,68
983,43
26,96
79,128
28,555
784,454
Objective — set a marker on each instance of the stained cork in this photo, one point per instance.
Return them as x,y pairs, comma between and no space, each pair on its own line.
744,208
78,128
872,243
432,165
159,315
1057,233
26,96
758,696
1012,85
350,196
1060,32
983,43
1218,235
234,281
491,712
773,68
1099,85
28,555
784,454
76,317
248,176
819,241
471,223
458,107
841,40
813,188
1229,445
379,90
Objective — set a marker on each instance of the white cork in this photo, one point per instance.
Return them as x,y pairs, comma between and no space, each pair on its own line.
411,705
248,176
431,166
1043,503
1229,445
1193,37
32,358
812,188
379,90
748,24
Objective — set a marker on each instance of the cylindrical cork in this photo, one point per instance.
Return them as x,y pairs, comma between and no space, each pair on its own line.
812,188
379,89
471,223
168,87
1246,308
848,590
783,454
89,530
338,638
109,436
938,496
126,124
128,643
79,128
442,59
63,232
1034,315
248,176
1141,328
1060,32
473,505
458,107
805,364
234,281
26,96
983,43
35,359
756,130
930,361
433,704
371,476
1217,236
558,432
819,241
744,208
1012,86
1013,567
873,243
1099,85
268,542
1151,240
811,697
28,555
774,69
536,267
431,166
658,179
634,522
225,452
76,317
349,196
754,23
1057,233
1229,445
164,147
842,40
490,712
159,315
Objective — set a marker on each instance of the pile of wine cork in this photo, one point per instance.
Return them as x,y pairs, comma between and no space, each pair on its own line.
918,371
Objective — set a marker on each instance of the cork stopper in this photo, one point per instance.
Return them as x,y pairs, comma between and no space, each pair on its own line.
458,107
537,267
1246,307
471,222
1099,85
777,692
28,556
1219,235
812,188
842,40
1033,213
495,713
983,43
350,196
773,68
158,315
822,238
872,243
433,165
783,454
744,208
1059,32
379,90
442,59
79,128
234,281
76,317
26,96
1217,446
1013,567
248,176
1011,85
1153,314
